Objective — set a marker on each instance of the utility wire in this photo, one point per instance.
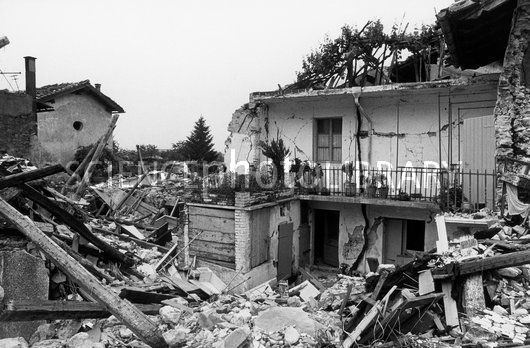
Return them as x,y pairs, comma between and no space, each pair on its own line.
9,83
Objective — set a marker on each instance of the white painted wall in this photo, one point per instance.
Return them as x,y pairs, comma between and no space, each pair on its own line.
417,114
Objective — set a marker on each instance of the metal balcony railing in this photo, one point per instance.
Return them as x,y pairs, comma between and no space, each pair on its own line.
451,189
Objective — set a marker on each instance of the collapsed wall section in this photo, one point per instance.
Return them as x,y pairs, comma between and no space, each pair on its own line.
18,128
512,111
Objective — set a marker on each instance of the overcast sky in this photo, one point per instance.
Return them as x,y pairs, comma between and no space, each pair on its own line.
168,62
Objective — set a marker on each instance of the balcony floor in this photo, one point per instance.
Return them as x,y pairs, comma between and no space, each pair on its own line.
372,201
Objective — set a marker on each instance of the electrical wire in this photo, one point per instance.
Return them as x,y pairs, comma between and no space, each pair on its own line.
9,83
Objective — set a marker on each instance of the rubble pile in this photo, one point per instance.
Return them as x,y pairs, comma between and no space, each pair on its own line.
474,289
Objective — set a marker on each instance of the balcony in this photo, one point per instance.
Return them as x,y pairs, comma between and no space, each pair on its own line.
451,190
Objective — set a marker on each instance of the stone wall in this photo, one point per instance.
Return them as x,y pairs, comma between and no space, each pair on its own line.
512,111
18,127
23,277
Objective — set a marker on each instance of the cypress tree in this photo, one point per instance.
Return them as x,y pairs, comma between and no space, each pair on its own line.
199,144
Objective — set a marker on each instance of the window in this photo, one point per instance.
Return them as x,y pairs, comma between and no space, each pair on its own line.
415,235
78,125
329,140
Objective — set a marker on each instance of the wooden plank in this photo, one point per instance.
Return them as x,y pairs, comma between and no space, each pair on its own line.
95,158
517,258
312,279
450,305
379,285
131,316
129,194
212,256
55,310
145,297
125,238
20,178
367,320
84,262
425,282
498,261
213,247
161,235
220,213
211,223
132,231
76,175
396,312
259,237
442,245
227,238
76,225
209,255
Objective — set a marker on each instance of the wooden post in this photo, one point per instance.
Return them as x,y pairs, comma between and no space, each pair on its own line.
450,305
76,175
131,316
97,154
131,191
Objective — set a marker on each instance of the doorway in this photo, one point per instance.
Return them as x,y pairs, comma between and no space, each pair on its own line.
327,224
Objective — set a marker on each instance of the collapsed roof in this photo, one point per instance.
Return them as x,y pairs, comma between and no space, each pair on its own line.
476,31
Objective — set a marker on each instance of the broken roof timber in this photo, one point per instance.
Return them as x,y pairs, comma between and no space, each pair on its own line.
476,32
483,81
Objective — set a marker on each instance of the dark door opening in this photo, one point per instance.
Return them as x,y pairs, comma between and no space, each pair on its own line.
327,236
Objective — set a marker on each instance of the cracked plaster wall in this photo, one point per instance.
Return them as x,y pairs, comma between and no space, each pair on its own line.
405,125
352,223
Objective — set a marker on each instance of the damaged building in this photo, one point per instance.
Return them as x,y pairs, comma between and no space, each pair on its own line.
48,124
80,113
414,146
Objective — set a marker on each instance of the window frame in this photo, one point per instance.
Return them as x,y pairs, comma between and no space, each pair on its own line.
330,146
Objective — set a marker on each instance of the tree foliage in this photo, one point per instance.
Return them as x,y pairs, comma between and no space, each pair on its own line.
107,157
199,144
277,152
359,55
149,150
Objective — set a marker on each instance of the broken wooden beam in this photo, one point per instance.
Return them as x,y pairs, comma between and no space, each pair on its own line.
55,310
517,258
145,297
125,311
76,175
84,262
129,194
76,225
95,158
20,178
125,238
160,236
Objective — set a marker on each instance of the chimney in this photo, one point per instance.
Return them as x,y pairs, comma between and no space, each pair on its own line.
98,86
31,87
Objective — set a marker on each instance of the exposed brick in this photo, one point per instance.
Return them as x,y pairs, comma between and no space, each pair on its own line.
18,126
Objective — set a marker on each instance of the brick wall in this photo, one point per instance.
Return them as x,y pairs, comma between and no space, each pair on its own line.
18,126
242,229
